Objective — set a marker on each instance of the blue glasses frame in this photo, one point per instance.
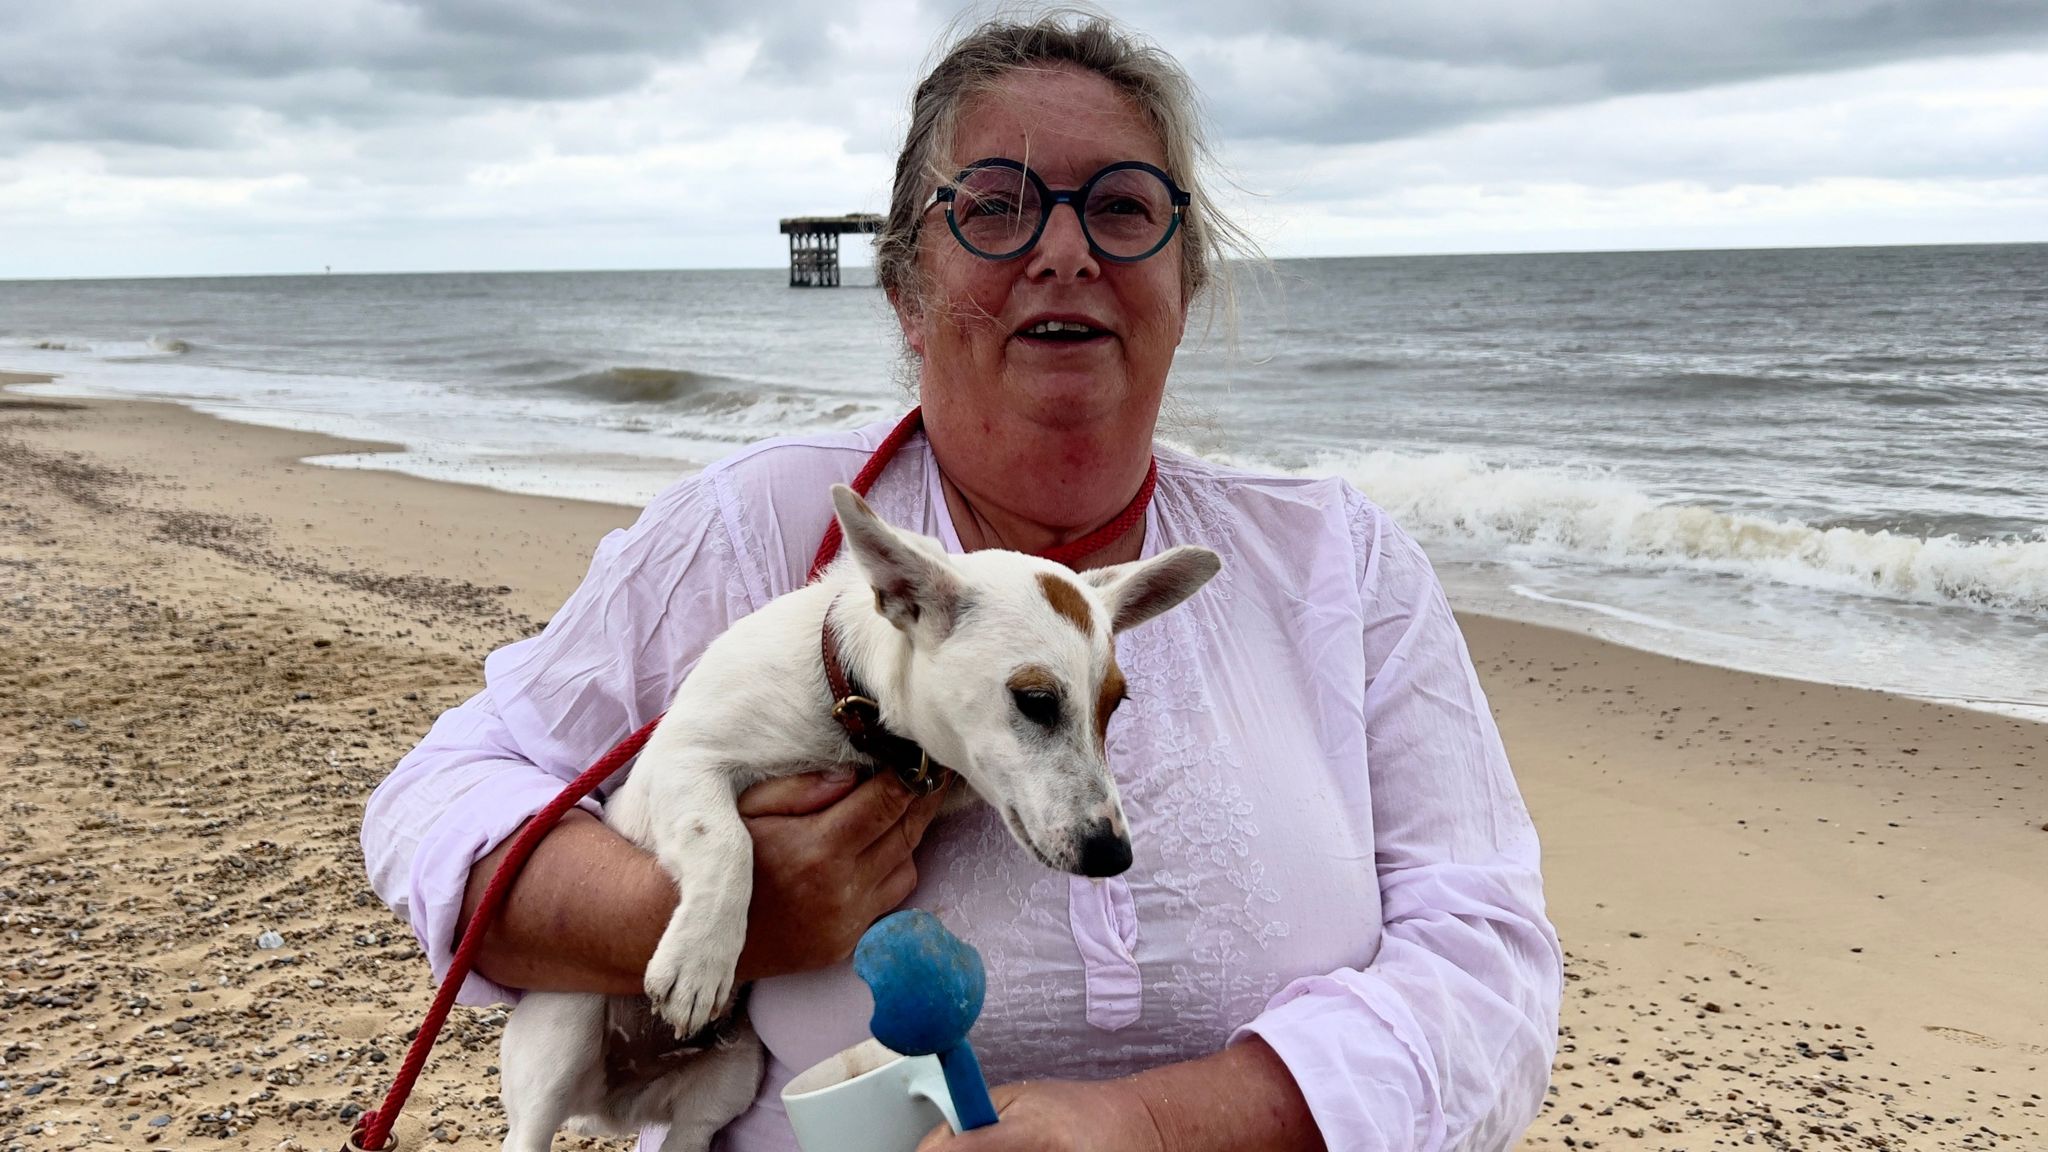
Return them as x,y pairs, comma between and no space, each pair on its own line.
1073,198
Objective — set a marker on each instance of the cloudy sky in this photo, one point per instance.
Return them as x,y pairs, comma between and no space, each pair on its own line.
165,137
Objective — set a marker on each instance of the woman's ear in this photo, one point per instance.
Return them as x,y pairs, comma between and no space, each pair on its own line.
910,318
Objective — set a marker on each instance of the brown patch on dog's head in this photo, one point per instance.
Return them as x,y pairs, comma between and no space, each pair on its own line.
1034,678
1068,601
1107,698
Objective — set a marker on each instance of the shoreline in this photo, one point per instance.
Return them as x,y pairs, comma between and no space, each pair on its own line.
324,450
1813,897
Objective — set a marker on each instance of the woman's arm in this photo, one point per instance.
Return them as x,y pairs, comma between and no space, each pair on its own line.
586,912
583,916
1443,1040
1242,1099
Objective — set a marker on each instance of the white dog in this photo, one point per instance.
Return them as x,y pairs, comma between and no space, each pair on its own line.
996,664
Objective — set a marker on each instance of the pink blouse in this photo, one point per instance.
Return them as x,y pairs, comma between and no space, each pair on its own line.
1331,852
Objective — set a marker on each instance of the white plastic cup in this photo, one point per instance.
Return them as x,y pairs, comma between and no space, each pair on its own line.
868,1099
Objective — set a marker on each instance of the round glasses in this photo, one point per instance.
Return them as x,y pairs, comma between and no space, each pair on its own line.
998,208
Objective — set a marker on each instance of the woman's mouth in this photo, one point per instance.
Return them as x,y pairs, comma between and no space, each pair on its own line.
1062,332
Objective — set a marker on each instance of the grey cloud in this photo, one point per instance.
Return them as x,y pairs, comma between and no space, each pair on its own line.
1381,69
124,74
1642,45
792,53
397,117
1873,125
100,72
157,125
1319,93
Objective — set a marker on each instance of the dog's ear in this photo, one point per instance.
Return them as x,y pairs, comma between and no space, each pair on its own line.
1142,589
914,589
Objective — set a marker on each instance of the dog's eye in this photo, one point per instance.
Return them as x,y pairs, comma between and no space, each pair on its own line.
1038,705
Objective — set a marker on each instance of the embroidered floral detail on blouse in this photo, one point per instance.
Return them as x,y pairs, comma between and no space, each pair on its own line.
1204,505
1193,823
1029,906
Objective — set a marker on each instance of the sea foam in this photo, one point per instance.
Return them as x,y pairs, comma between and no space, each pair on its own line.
1590,515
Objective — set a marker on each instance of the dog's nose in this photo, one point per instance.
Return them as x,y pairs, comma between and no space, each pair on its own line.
1104,852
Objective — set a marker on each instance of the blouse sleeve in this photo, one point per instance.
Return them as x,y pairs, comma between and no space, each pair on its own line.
610,660
1444,1040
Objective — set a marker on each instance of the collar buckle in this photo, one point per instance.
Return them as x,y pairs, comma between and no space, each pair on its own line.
923,781
853,709
860,717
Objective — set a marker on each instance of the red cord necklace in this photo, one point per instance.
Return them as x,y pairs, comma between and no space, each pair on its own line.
373,1129
1068,553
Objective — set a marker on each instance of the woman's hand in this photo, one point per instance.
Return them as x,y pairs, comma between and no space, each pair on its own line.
1058,1116
830,858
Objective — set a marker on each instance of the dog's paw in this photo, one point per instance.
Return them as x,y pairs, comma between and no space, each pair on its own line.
690,981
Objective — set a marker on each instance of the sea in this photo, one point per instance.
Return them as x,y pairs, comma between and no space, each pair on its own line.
1828,464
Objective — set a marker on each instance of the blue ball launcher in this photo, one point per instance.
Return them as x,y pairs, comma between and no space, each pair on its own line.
928,985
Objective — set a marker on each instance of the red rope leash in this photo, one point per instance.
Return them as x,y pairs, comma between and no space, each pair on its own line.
373,1129
864,480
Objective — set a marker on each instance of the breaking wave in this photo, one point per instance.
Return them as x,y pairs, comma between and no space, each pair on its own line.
704,406
170,345
1588,515
669,387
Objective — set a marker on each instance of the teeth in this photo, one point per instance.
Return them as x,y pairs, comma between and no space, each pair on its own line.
1047,327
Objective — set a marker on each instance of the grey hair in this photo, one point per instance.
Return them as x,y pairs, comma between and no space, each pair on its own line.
975,62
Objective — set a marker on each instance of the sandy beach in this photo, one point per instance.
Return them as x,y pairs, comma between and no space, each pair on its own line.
1797,916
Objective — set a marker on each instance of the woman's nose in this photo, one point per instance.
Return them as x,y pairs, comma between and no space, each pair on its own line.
1062,251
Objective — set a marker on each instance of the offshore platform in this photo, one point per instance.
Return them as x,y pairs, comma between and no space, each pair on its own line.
814,246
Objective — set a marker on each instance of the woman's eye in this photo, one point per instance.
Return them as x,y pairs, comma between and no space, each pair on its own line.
990,206
1037,705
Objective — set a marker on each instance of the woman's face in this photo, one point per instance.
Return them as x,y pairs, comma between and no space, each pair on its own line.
970,325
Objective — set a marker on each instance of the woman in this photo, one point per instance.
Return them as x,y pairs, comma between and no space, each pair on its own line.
1333,934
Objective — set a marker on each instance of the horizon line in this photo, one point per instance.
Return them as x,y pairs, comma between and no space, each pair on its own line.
1449,254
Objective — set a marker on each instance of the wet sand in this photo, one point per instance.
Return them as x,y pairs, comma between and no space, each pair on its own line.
1797,916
